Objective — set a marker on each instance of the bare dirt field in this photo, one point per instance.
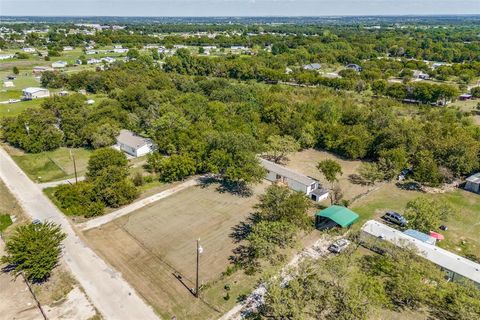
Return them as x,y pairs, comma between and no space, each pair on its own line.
150,245
306,162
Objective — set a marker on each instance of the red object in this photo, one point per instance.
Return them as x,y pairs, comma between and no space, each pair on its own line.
437,235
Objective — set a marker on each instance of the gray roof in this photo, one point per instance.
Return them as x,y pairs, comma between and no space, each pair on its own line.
130,139
443,258
33,90
312,66
474,178
287,173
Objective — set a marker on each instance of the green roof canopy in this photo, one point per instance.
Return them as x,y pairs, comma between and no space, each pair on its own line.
342,216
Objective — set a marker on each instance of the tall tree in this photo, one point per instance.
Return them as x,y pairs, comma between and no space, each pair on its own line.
279,147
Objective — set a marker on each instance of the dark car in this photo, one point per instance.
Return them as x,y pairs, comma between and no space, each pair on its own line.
396,218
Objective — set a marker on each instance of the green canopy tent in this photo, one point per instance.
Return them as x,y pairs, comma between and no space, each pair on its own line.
335,216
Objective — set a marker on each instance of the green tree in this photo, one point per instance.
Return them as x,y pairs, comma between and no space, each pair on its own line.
370,173
15,70
278,148
175,167
425,168
279,203
330,170
102,159
34,250
424,214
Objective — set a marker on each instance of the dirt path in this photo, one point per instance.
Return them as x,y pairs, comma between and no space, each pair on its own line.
94,223
113,297
256,298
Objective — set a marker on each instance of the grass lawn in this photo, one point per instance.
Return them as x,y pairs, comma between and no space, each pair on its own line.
52,165
5,222
149,245
462,236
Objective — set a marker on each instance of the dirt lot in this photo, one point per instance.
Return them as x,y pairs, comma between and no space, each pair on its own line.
306,162
149,245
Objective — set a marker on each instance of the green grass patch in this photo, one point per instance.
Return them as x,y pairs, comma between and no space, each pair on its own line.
462,236
5,222
13,109
53,165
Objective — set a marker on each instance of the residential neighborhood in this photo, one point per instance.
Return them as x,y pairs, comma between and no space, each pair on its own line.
240,161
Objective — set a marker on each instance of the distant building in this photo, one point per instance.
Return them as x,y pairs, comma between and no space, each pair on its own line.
59,64
37,70
7,56
134,145
67,48
35,93
8,84
295,181
28,50
90,52
354,66
312,66
465,96
419,75
120,50
454,265
473,183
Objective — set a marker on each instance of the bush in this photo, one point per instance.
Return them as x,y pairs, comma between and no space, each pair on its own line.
79,199
137,179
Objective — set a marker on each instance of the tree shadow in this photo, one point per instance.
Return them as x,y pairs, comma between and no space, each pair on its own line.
409,186
244,257
356,179
240,189
241,231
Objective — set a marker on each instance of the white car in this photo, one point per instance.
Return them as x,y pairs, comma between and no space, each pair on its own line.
339,246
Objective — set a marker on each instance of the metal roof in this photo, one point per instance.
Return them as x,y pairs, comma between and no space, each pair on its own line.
287,173
443,258
32,90
474,178
130,139
342,216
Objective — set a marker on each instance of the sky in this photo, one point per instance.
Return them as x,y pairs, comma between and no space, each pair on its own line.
235,7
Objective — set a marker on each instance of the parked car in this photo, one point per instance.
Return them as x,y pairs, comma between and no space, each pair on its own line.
36,222
443,227
396,218
339,246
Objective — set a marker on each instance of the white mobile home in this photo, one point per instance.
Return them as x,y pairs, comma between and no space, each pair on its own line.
134,145
35,93
294,180
455,266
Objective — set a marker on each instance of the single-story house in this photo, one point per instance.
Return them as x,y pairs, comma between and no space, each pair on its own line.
335,216
455,266
473,183
28,50
59,64
89,52
419,75
354,66
312,66
35,93
120,50
295,181
8,84
40,69
465,96
7,56
134,145
67,48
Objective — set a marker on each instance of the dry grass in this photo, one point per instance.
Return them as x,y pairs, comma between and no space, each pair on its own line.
149,245
306,162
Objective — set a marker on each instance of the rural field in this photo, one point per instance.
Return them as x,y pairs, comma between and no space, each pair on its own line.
150,245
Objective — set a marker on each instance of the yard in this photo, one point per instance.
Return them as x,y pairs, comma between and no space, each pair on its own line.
51,165
150,245
306,162
463,231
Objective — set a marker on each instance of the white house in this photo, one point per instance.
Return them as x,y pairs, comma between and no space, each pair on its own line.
120,50
35,93
6,56
67,48
312,66
294,180
454,265
59,64
90,52
8,84
28,50
134,145
93,61
473,183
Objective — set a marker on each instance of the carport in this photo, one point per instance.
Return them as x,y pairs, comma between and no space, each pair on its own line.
335,216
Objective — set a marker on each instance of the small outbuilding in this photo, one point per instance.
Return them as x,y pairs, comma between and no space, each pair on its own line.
312,66
473,183
335,216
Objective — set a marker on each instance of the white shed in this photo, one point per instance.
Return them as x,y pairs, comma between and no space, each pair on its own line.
35,93
473,183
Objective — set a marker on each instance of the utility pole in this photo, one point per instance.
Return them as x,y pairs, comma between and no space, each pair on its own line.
74,166
199,251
